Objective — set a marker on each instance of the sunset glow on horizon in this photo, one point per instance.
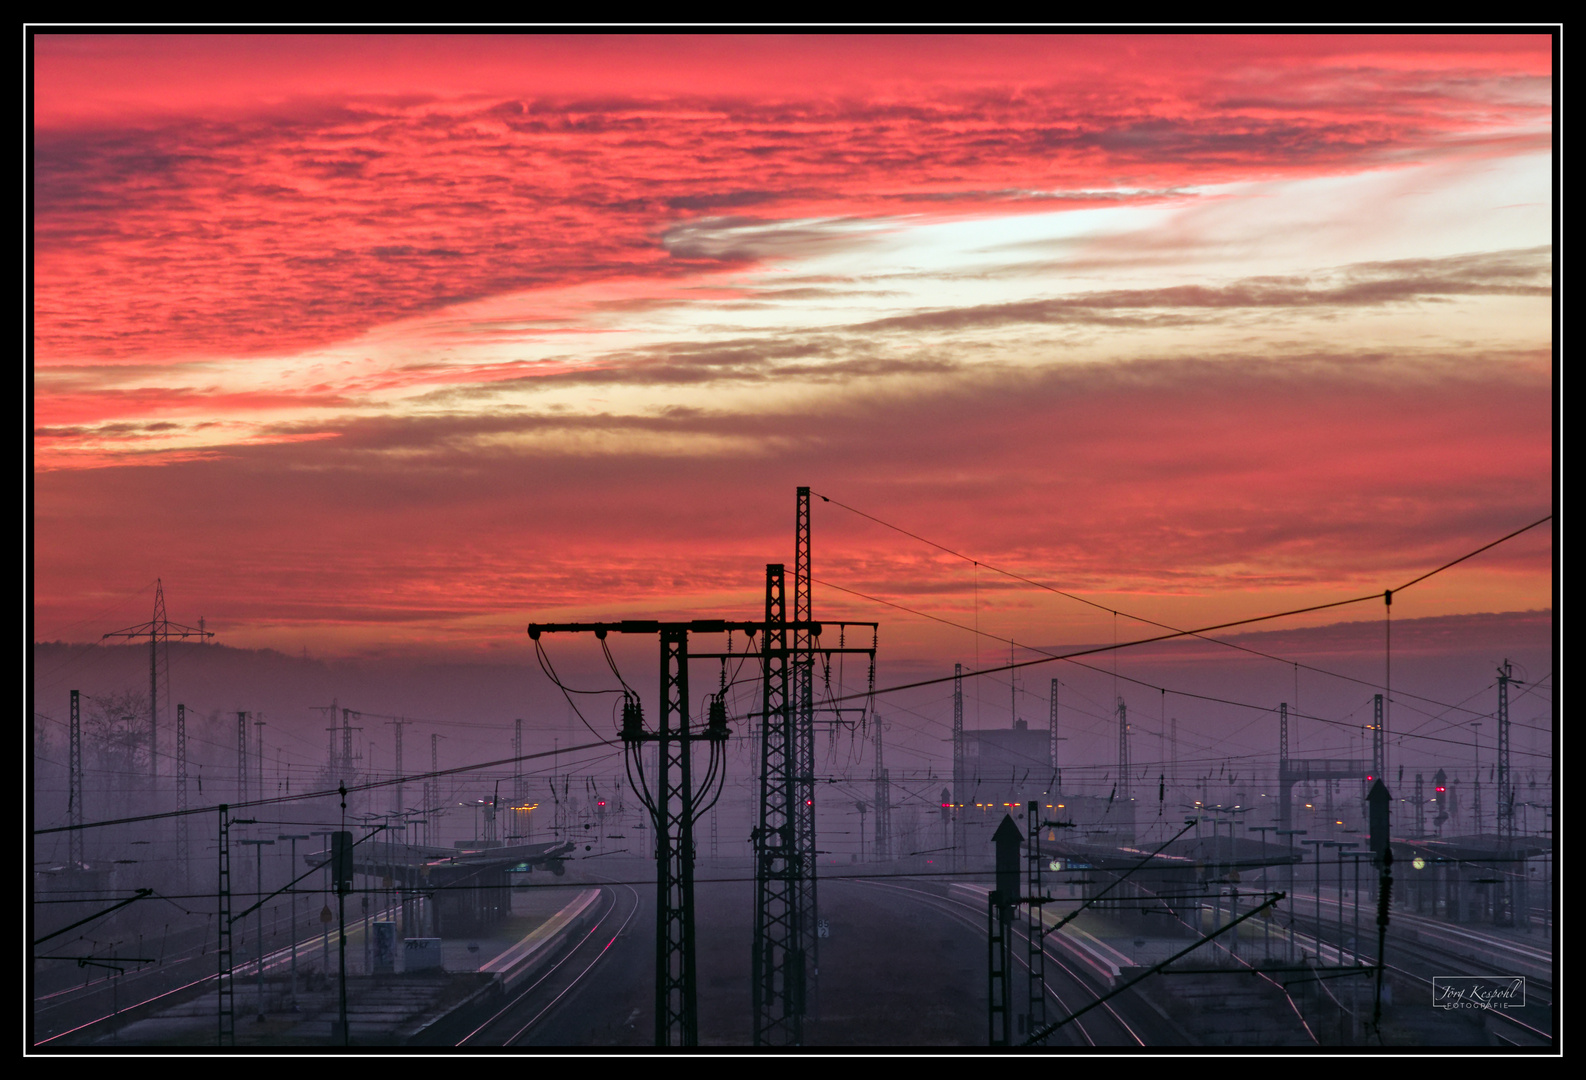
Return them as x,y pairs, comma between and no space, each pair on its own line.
377,344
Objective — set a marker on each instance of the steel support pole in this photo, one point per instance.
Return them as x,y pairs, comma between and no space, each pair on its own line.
777,961
676,1011
802,661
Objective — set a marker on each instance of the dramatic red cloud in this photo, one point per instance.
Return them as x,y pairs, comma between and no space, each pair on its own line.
341,193
1264,485
399,341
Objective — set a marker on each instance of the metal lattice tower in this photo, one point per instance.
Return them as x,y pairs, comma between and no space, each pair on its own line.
675,807
1124,767
1283,735
346,770
330,739
883,807
1476,789
803,665
226,1010
676,1020
517,760
242,757
1505,782
957,809
778,957
1420,807
999,933
1035,927
74,788
1051,726
1376,737
398,724
181,792
259,724
159,630
778,960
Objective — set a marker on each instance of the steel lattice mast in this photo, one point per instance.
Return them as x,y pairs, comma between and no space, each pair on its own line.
1376,737
181,792
74,792
883,807
676,1018
803,668
777,964
242,758
1051,730
1505,782
675,807
159,630
957,809
1124,766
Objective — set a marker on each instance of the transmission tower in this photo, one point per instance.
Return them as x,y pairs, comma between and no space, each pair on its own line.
957,809
346,741
258,723
883,807
777,962
1376,736
1505,782
675,807
1123,751
1051,726
242,758
226,1008
329,711
517,761
1035,926
1476,793
803,665
398,724
1283,736
181,792
74,789
159,630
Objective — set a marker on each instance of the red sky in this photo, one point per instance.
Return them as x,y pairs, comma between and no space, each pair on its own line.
392,344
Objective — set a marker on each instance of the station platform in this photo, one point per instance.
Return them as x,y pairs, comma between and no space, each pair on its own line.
382,1009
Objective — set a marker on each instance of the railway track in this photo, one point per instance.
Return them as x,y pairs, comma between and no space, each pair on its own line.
1434,949
530,1007
1070,991
83,1012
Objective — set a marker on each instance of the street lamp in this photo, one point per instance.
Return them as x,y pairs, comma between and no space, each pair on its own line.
391,871
325,915
1289,877
258,847
1266,939
1316,858
291,874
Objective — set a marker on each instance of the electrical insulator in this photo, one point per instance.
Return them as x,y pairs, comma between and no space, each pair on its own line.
632,719
716,726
